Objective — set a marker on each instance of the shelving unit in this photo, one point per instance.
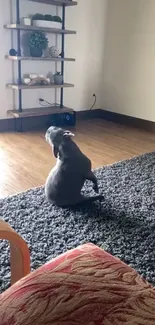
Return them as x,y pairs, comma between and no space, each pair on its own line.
20,113
31,58
34,28
57,2
20,87
39,111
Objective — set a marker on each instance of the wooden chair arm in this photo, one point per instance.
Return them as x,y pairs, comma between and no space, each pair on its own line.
19,252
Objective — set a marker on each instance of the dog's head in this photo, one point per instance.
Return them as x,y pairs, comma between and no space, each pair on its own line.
57,136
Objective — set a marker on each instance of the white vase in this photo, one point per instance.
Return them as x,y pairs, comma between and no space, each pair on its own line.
47,24
58,79
26,21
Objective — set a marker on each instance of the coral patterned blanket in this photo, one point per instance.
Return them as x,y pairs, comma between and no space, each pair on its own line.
84,286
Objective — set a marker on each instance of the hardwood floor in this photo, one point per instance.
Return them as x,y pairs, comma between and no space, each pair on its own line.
26,159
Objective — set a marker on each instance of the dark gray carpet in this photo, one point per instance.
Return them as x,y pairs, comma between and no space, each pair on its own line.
123,224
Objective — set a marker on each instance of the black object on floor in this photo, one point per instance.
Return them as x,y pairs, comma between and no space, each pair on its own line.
123,224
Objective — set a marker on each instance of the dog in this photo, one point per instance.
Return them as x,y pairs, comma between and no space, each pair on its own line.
65,181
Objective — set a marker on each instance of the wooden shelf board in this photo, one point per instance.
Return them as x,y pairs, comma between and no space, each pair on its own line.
17,87
33,28
39,111
31,58
57,2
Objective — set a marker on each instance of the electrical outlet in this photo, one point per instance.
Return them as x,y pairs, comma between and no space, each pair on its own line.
41,100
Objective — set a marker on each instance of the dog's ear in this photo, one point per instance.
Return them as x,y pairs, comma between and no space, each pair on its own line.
55,151
68,134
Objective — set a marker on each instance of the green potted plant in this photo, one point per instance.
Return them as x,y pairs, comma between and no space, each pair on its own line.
58,78
38,17
38,42
48,17
57,19
47,21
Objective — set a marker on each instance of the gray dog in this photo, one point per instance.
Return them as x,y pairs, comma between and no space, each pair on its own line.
66,179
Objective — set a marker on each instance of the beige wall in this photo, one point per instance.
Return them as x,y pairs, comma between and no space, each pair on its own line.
88,19
129,60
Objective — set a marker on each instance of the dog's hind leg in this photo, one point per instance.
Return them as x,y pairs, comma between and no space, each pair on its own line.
90,176
82,200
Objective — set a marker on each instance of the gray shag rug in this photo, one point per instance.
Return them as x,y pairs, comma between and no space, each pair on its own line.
123,224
